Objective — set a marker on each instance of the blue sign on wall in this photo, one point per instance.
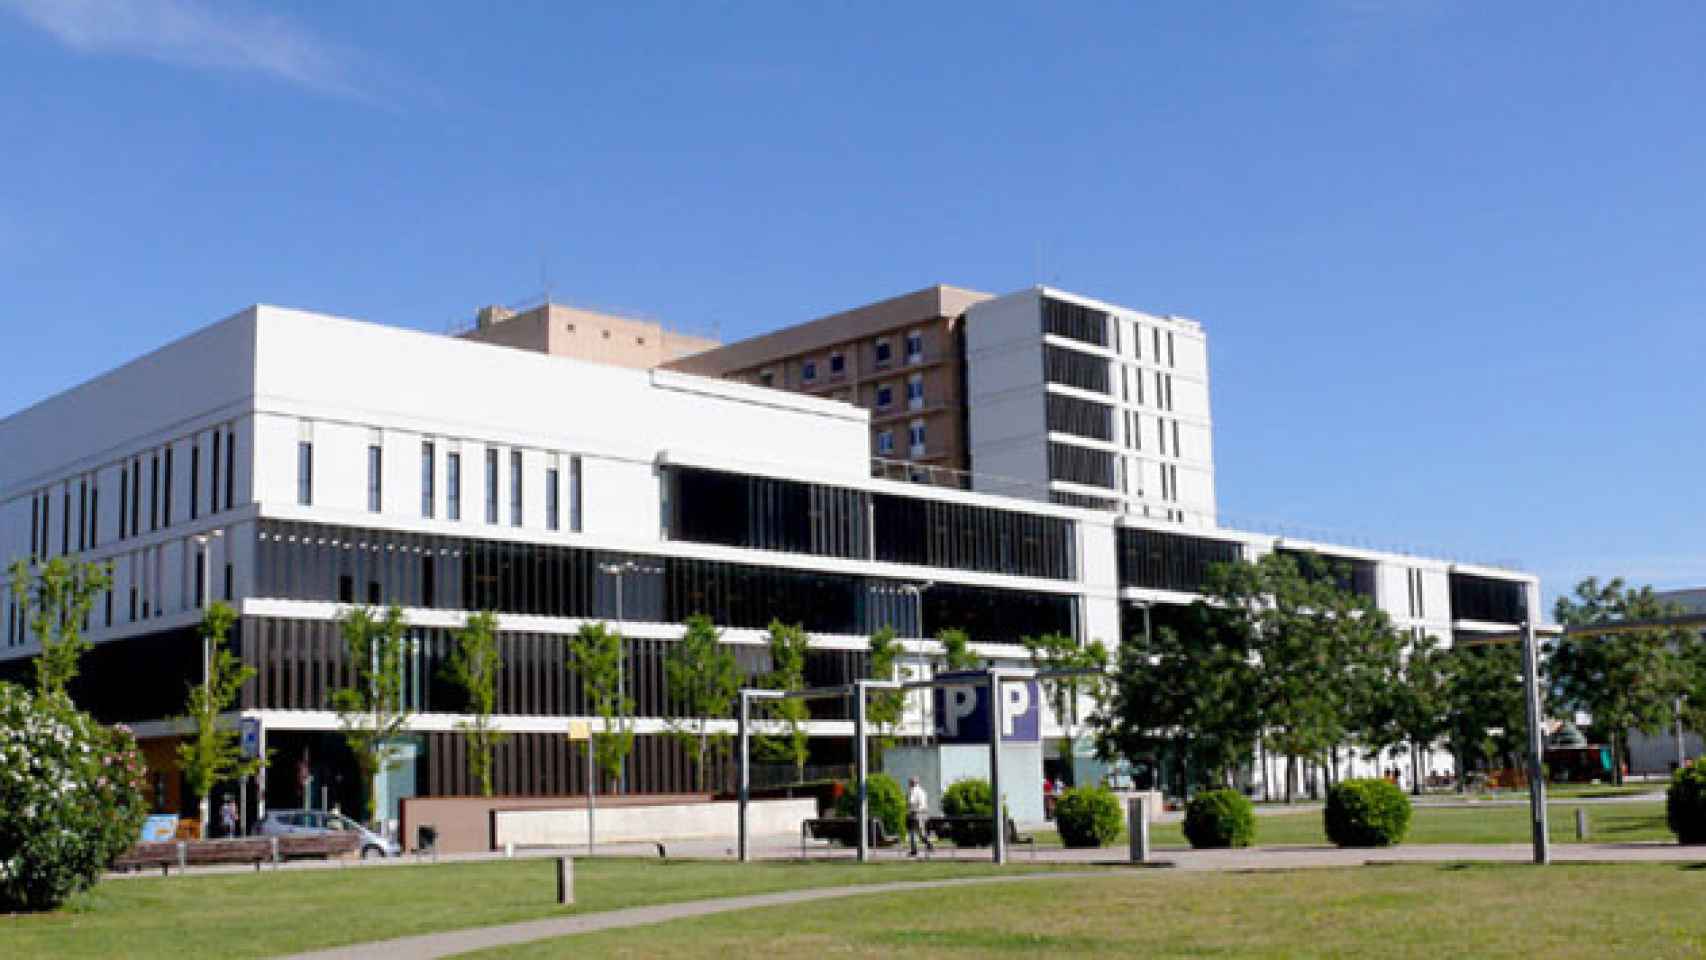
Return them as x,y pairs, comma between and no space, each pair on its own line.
962,711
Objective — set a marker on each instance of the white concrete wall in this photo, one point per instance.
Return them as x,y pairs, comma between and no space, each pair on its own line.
676,821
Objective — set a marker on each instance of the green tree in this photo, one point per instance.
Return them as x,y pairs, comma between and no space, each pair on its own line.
1194,687
595,654
371,711
474,666
956,650
57,596
703,680
213,753
1486,720
1627,680
886,708
788,646
1057,651
1412,707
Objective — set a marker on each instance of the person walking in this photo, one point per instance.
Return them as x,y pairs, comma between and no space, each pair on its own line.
917,808
228,817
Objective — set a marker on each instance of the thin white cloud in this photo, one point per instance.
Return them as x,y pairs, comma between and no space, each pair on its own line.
194,33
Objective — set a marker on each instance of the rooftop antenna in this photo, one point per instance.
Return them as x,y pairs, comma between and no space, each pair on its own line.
545,276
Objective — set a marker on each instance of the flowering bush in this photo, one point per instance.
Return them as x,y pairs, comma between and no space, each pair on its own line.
71,798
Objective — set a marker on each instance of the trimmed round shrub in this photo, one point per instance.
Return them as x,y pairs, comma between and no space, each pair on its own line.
1367,813
1087,817
884,801
968,798
1220,818
71,799
1685,803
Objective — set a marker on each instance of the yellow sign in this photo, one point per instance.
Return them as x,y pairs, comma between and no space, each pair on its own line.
580,730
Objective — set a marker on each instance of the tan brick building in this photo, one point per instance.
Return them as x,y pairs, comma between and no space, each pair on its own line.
903,359
565,331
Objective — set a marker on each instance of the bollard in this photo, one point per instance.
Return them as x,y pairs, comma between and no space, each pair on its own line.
275,853
1137,816
509,851
183,857
1581,824
565,880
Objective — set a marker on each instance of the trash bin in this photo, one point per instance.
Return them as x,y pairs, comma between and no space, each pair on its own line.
426,838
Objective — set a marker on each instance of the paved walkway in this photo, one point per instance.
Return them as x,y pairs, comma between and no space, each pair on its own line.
456,942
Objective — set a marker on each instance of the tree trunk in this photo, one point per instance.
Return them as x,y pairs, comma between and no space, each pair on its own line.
1617,759
1290,778
206,808
1415,770
1462,769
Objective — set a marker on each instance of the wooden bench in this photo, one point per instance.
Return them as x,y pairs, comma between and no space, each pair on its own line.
257,850
845,831
944,828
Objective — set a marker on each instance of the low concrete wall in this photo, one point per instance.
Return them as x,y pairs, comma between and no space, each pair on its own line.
465,823
678,821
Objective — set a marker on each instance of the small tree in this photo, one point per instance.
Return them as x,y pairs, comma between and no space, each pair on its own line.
474,666
703,681
213,753
58,596
956,650
1413,706
788,646
1483,692
595,654
371,711
1057,651
1628,681
887,708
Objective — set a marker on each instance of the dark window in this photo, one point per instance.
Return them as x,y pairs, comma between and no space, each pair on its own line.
1073,369
491,486
965,537
305,473
213,477
1075,322
154,492
375,477
195,480
1170,561
453,486
230,470
885,353
808,371
1348,573
429,462
515,488
709,506
1079,417
166,497
553,504
95,513
1486,598
83,514
123,501
837,363
1076,464
575,494
65,522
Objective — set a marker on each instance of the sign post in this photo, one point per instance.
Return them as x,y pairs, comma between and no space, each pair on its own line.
580,730
249,740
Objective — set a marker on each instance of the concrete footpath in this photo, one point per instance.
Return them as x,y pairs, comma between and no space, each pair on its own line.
450,943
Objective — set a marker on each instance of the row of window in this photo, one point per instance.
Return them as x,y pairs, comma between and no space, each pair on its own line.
917,440
1417,597
1097,328
1170,561
145,575
914,393
80,511
1485,598
553,484
1351,574
710,506
1075,464
882,350
316,562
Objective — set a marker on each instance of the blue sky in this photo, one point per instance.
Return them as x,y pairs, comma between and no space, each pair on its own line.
1449,255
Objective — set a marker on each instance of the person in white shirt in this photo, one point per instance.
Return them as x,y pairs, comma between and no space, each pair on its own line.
917,808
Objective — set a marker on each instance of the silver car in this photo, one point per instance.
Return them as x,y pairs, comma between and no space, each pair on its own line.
306,823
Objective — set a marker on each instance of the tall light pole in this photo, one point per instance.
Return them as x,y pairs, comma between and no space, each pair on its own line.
620,570
917,592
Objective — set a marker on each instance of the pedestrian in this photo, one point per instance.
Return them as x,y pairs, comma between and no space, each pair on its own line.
228,817
917,808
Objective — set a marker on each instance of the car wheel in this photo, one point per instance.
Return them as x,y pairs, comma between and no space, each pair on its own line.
371,851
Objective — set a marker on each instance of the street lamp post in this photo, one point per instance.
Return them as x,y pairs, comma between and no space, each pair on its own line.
917,592
619,571
205,541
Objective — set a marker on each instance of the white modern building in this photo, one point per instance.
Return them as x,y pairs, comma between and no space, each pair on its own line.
1099,405
297,464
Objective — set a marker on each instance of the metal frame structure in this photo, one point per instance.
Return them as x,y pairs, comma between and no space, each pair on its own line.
1542,840
992,679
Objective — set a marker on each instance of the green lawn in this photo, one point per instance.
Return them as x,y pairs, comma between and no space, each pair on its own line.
1607,823
252,915
1449,910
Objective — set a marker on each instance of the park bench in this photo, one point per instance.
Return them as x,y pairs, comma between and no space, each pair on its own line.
256,850
945,827
843,830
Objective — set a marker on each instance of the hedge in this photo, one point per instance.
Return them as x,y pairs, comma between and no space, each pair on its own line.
1220,818
1685,803
1367,813
1087,817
